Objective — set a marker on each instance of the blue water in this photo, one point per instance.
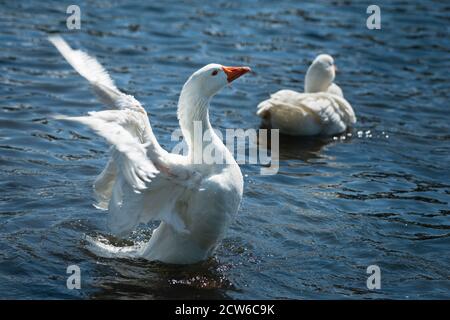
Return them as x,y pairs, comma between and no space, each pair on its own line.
335,207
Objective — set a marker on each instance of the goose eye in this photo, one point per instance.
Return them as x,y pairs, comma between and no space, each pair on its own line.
215,72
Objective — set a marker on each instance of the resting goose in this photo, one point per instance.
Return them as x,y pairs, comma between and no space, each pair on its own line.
320,110
194,201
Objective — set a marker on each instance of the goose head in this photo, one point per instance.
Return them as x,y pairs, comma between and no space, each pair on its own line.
197,92
320,74
210,79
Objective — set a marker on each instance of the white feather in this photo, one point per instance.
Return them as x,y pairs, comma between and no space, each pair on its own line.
321,110
307,114
129,153
87,66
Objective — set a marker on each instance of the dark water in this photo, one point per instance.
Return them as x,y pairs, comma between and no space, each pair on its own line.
336,207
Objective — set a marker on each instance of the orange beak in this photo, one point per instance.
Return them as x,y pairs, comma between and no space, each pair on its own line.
235,72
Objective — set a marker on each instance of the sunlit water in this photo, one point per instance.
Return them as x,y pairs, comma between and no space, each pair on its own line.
379,196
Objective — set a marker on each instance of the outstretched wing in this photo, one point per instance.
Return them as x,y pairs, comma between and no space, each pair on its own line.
309,113
129,154
90,69
141,181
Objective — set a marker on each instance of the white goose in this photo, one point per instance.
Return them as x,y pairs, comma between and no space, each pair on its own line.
321,110
195,202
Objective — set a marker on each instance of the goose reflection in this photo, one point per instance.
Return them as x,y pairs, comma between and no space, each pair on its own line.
299,148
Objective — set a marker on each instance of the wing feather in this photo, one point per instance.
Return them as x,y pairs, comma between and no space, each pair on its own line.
141,181
129,154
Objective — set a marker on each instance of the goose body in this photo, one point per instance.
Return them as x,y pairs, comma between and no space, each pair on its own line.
320,110
194,201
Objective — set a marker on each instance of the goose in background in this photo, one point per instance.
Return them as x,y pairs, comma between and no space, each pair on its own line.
320,110
195,202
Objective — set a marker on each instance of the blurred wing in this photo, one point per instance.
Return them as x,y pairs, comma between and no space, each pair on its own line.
129,154
141,181
138,184
90,69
